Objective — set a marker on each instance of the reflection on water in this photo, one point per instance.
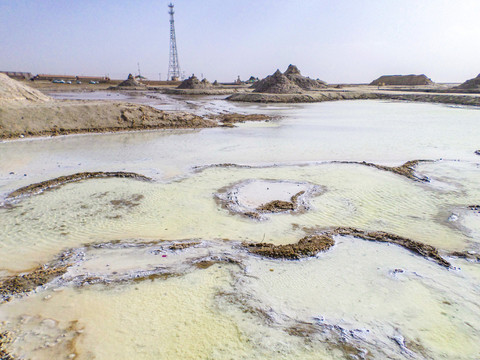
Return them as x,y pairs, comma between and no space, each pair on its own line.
359,299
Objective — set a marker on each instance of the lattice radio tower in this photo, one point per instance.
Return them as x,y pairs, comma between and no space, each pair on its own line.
173,65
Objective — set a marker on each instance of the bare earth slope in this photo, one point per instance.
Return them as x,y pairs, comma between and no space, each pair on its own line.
14,91
27,112
56,118
470,84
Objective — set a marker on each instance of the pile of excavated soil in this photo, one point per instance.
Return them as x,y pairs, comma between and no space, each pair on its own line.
193,83
14,91
130,83
405,80
72,117
290,82
277,83
470,84
294,75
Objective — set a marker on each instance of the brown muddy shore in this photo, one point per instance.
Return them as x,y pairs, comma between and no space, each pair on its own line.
318,242
62,180
332,95
73,117
53,118
407,169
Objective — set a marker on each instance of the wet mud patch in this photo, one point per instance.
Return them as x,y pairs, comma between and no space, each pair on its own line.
424,250
119,262
350,343
308,246
5,339
25,283
62,180
257,198
183,245
467,255
127,203
323,239
407,169
465,219
246,305
230,119
45,337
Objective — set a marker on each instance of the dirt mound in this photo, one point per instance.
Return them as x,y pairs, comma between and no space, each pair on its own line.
14,91
470,84
193,83
277,83
294,75
402,80
131,82
290,82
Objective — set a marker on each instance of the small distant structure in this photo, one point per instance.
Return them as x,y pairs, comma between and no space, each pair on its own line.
100,79
50,77
238,81
17,75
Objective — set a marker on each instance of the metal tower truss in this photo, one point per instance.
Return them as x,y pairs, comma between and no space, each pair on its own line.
173,64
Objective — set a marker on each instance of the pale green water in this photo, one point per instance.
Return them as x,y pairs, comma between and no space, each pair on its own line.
350,294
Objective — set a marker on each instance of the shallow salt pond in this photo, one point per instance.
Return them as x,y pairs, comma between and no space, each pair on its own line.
361,299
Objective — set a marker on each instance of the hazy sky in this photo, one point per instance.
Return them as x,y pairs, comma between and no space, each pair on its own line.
334,40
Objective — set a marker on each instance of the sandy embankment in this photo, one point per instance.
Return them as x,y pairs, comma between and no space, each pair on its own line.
320,96
25,111
71,117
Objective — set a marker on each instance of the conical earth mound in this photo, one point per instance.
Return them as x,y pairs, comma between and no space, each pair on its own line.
290,82
14,91
294,75
131,82
193,83
277,83
470,84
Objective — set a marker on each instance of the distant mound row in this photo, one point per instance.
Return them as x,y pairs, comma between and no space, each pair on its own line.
405,80
14,91
289,82
193,83
470,84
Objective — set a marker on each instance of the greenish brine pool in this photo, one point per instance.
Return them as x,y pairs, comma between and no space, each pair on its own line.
158,269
